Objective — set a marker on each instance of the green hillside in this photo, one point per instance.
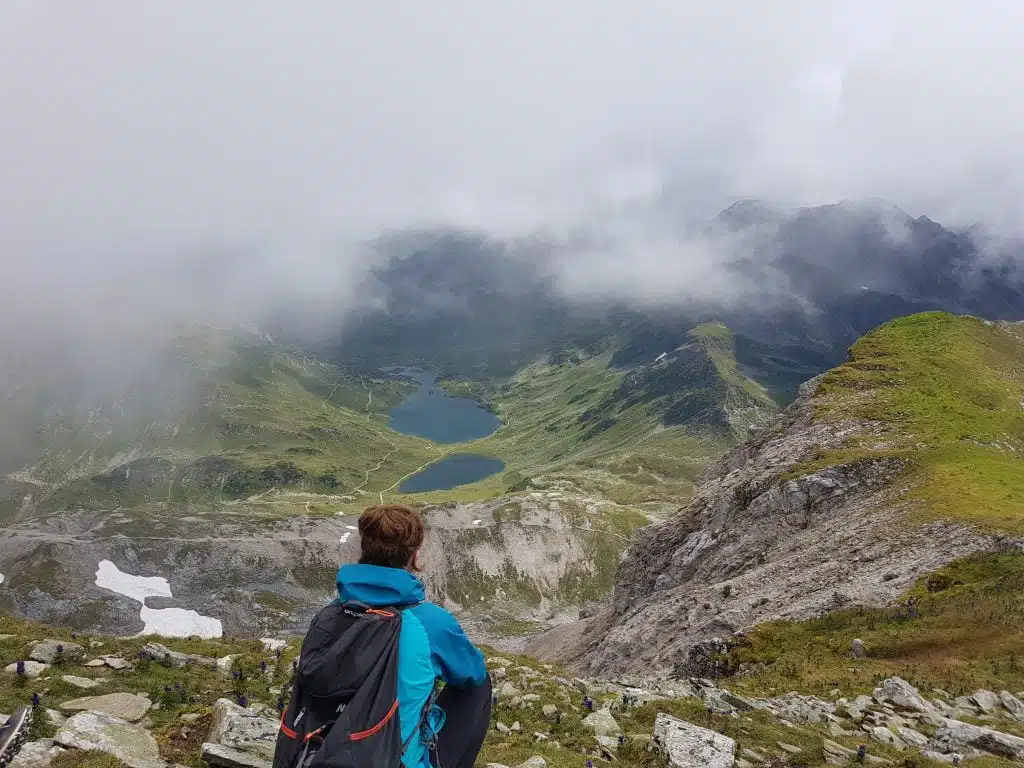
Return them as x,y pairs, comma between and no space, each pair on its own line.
947,394
241,417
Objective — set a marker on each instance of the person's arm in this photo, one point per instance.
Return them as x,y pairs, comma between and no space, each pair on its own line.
460,662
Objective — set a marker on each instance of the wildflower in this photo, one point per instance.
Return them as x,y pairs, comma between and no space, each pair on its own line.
35,699
20,668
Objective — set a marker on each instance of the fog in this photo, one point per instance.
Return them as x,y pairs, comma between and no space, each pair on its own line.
168,161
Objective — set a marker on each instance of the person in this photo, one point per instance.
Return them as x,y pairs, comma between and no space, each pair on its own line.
13,734
432,645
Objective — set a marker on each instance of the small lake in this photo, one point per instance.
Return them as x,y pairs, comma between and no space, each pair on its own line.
451,471
431,413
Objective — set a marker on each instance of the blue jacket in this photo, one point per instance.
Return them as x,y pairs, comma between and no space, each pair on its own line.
431,646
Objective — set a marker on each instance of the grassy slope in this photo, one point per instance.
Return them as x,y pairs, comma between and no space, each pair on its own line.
968,634
241,407
549,412
947,392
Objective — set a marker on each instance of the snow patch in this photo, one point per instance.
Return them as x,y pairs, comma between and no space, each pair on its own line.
344,536
1,578
352,527
477,522
169,622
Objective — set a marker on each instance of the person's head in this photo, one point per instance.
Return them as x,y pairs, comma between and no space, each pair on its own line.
391,536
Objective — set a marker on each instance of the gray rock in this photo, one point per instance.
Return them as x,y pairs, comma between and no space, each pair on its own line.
84,683
46,651
116,662
1013,705
900,693
726,701
158,652
132,745
225,663
858,650
534,762
94,663
244,730
123,706
549,710
32,668
950,758
272,644
508,691
859,707
219,756
36,754
988,702
56,718
912,737
516,727
190,718
601,723
689,746
501,728
790,748
959,737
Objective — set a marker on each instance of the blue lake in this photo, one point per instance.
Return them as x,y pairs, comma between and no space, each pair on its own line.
429,412
432,414
451,471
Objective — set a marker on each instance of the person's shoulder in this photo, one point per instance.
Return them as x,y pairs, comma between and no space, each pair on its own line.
433,616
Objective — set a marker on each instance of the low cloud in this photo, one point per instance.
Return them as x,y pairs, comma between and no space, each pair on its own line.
224,161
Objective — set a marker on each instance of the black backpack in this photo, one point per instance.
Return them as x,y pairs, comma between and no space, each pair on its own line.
343,711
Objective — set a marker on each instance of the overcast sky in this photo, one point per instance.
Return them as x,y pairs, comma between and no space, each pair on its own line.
145,132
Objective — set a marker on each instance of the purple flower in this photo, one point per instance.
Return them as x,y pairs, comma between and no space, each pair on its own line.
20,668
622,740
242,700
35,699
263,666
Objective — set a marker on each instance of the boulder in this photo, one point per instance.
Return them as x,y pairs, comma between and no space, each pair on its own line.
123,706
36,754
959,737
116,662
534,762
219,756
32,668
988,702
601,723
901,694
726,701
689,746
859,707
858,650
47,651
132,745
549,710
84,683
158,652
1013,705
243,730
508,691
912,737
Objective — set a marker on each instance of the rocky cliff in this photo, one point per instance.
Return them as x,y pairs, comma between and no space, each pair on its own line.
834,505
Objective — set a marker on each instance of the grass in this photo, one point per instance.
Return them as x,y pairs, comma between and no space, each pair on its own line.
968,634
946,393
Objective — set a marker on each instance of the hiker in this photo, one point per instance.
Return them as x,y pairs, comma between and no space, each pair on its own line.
366,690
13,734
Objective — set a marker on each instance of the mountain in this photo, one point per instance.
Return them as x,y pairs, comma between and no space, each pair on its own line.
809,283
907,457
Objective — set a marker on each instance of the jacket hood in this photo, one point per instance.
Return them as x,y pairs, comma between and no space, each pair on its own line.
378,585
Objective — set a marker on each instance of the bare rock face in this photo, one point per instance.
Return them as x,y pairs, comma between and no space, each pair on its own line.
761,540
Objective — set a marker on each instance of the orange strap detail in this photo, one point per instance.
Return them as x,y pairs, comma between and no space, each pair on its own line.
378,726
377,612
285,729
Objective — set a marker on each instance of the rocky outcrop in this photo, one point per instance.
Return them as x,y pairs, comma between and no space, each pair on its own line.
132,745
124,706
689,746
526,556
240,737
761,540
